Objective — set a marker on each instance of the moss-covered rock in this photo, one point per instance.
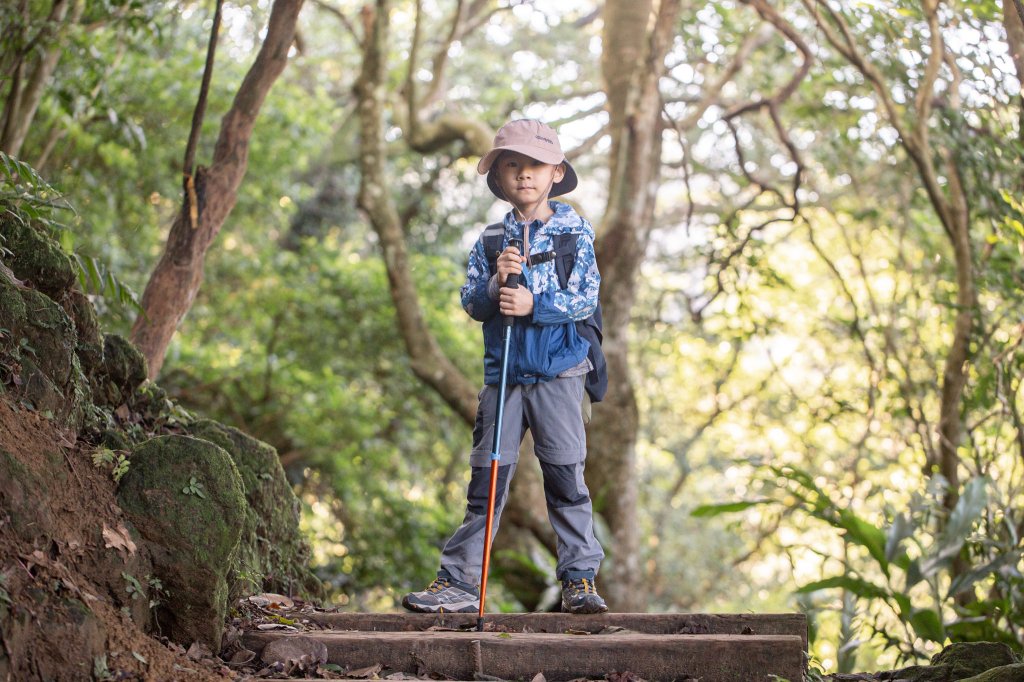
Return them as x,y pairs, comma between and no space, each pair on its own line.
51,377
124,370
90,340
12,315
185,497
35,257
272,552
959,661
1004,673
972,658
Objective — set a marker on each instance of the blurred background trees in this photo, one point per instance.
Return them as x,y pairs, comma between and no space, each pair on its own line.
810,225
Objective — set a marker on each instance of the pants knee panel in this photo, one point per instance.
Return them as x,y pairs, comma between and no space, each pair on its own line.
563,485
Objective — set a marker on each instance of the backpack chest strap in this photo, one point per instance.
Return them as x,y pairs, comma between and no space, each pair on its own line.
538,258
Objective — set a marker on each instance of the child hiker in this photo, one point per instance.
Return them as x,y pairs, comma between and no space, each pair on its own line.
547,366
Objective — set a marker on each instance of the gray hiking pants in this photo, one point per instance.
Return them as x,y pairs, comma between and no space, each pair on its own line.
551,411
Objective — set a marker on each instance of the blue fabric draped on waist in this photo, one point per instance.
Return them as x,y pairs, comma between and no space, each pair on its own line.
536,353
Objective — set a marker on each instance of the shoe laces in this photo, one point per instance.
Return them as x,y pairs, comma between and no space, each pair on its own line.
584,585
438,585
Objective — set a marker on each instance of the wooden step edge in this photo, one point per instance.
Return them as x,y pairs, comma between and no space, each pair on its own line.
651,623
710,658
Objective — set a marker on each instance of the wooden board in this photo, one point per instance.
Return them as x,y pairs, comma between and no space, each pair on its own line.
649,623
461,655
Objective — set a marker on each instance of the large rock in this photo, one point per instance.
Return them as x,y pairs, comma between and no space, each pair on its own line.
39,352
1004,673
273,556
966,659
958,662
90,340
185,497
123,371
36,258
12,315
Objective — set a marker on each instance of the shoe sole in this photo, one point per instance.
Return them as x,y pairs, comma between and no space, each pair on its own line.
585,609
457,607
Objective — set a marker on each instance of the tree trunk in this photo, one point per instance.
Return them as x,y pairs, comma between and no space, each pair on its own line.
632,64
1013,20
173,286
24,98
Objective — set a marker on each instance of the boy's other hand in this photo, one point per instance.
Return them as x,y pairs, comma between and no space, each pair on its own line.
516,302
510,262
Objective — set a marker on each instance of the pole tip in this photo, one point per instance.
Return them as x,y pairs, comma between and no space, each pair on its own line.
480,624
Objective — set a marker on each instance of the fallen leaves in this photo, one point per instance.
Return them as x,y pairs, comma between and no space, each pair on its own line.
119,539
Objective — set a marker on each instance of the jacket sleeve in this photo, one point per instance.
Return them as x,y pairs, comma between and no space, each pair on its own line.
578,300
475,298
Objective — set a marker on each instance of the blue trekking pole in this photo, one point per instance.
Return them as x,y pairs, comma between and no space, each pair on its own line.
512,282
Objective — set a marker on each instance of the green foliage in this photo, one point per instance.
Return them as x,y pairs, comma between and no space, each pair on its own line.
117,461
193,487
96,279
25,195
903,573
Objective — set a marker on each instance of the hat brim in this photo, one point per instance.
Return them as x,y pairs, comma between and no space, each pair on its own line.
542,155
564,186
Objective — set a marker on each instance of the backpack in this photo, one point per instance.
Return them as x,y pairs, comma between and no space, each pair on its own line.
564,255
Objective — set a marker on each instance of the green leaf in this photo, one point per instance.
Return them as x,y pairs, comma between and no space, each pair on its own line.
866,535
928,625
858,586
965,581
968,508
902,528
707,510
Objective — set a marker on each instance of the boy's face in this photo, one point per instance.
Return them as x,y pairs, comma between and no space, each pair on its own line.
525,180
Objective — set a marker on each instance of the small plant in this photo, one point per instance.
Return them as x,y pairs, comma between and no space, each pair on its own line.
156,591
133,587
118,462
194,487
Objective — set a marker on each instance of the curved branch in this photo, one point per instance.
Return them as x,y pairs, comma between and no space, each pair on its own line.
175,281
769,14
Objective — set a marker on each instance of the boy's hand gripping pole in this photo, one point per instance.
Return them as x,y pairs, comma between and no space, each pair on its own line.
512,282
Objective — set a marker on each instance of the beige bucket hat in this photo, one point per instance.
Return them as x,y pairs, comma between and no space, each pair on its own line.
534,139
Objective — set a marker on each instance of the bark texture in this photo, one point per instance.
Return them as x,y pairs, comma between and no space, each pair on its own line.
32,73
175,281
637,36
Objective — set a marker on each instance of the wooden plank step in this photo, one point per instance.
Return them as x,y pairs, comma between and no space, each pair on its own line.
648,623
461,655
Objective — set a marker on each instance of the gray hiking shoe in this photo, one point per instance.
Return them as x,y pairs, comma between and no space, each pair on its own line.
444,595
579,595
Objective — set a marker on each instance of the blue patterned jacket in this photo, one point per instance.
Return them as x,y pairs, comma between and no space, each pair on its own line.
545,344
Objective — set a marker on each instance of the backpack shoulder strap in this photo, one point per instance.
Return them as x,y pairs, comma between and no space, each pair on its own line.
492,239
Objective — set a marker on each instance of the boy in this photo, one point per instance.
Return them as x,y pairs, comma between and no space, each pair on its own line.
548,362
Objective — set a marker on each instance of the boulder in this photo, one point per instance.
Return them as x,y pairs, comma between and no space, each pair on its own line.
1004,673
124,370
90,340
35,258
12,315
40,355
273,556
185,497
973,658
